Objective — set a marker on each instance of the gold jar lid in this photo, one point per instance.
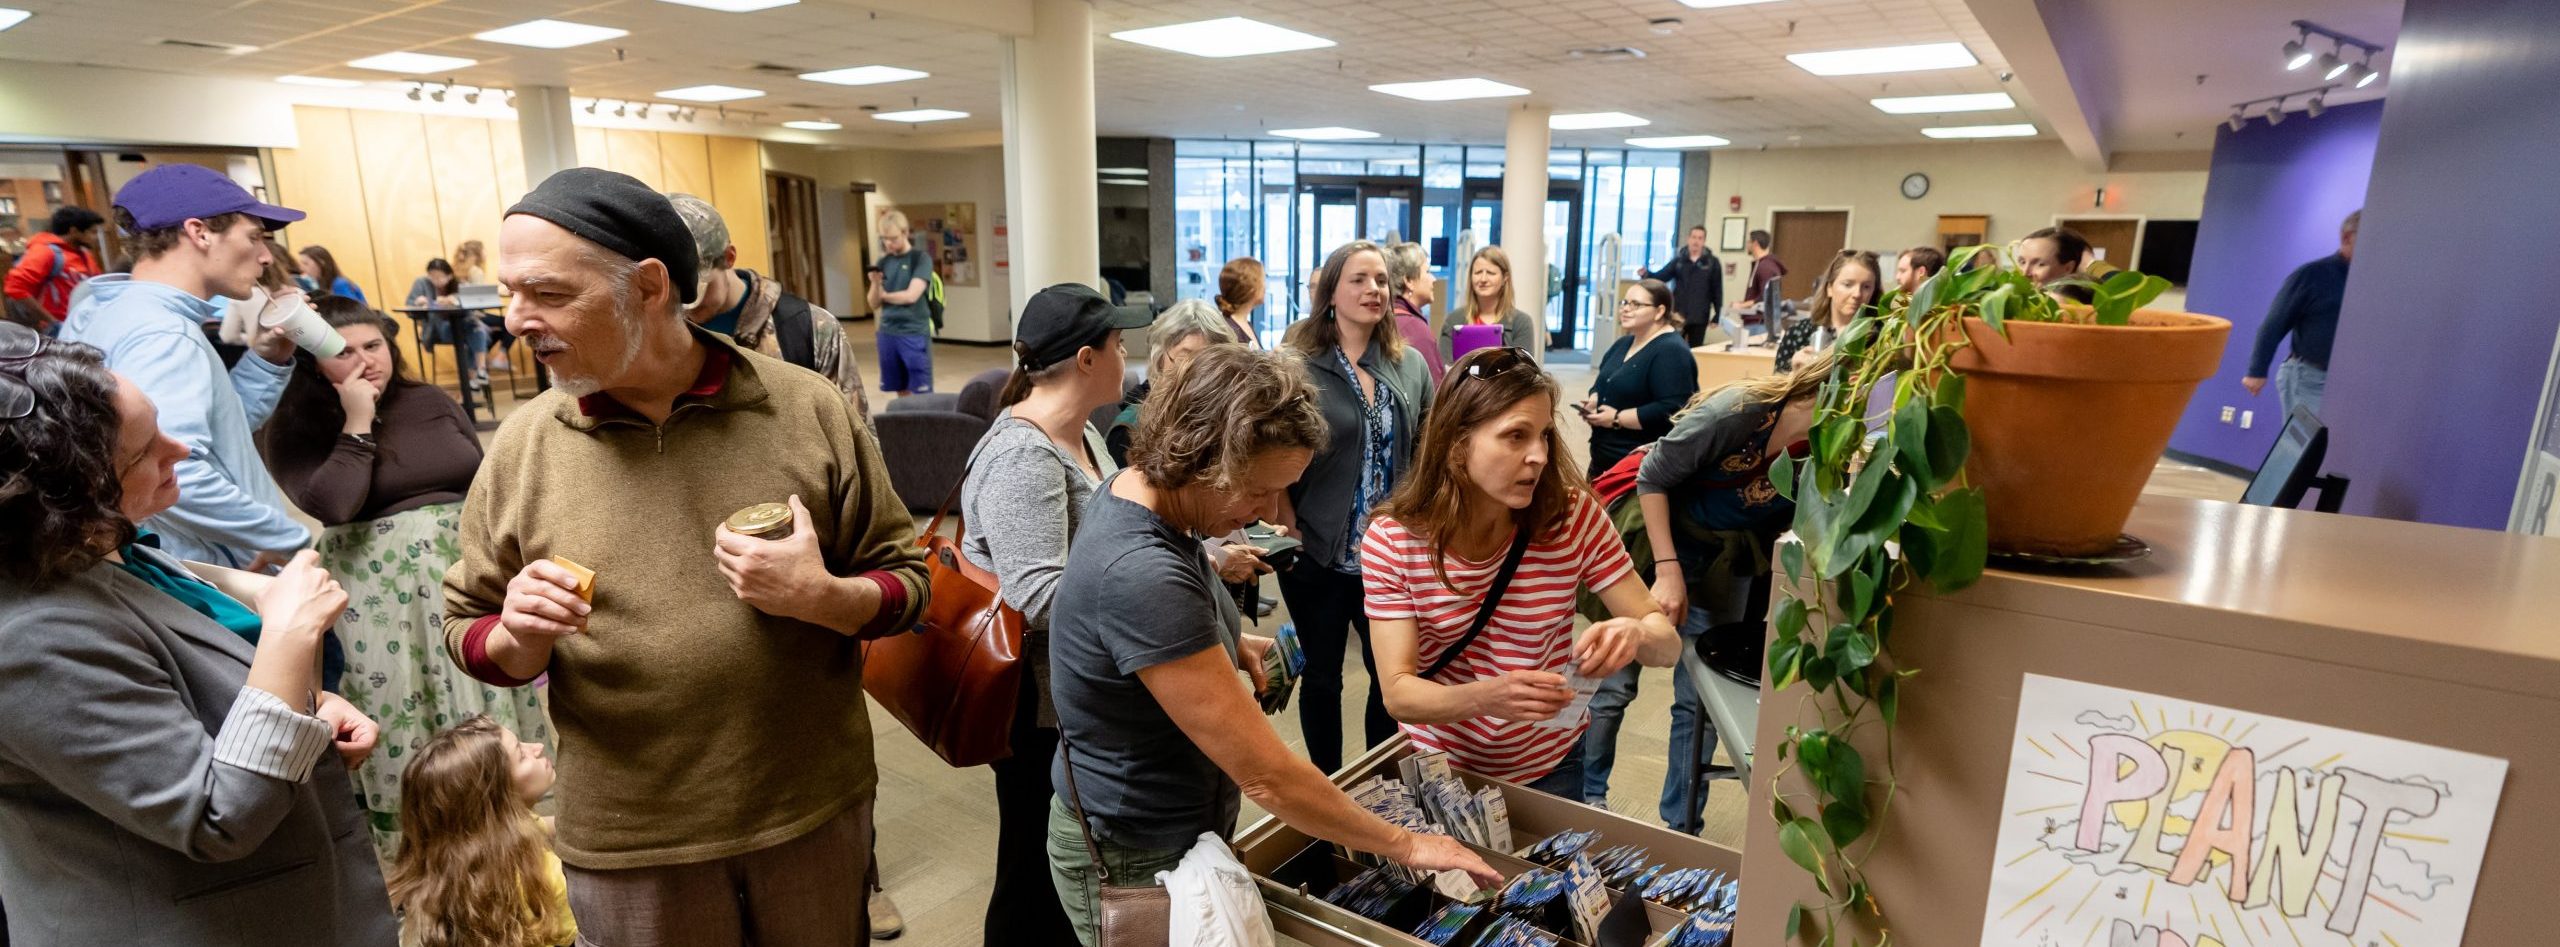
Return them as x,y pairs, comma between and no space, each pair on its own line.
761,519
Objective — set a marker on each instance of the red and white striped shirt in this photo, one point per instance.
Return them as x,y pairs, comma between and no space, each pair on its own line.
1532,630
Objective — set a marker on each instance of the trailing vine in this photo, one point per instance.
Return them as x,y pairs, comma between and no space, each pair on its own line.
1882,503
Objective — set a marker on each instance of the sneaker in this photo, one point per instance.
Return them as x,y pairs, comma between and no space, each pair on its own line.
499,363
886,922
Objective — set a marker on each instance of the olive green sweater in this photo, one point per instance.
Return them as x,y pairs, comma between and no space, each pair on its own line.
691,726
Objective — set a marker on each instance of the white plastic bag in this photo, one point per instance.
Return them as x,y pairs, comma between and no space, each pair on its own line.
1215,903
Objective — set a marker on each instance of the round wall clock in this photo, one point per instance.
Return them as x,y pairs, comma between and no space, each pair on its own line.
1915,185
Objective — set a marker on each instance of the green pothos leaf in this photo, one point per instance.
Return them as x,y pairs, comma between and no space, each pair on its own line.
1843,823
1889,699
1795,919
1798,839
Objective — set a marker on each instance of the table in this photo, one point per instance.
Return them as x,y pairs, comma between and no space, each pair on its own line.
456,320
1718,367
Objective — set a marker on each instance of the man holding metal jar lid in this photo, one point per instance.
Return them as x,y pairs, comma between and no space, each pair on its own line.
715,759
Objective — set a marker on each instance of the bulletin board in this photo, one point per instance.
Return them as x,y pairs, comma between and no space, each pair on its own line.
948,233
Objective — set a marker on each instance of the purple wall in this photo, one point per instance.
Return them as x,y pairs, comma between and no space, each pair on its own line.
2272,203
2450,315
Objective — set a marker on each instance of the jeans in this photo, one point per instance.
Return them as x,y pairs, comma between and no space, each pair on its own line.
1564,781
476,346
1689,727
2300,383
1326,607
1079,886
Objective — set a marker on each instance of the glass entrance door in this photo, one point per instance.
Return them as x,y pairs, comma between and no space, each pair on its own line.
1561,307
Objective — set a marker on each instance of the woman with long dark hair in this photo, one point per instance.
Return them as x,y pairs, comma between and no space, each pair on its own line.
1030,480
1492,481
440,287
1647,375
320,267
1373,392
383,461
162,779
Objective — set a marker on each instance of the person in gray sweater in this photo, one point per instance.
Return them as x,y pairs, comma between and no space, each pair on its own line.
1029,480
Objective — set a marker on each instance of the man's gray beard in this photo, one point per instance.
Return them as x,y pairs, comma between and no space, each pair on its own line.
579,386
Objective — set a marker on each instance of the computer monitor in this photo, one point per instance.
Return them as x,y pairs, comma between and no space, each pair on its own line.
477,296
2291,464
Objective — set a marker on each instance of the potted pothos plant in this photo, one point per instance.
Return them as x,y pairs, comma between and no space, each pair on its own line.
1960,418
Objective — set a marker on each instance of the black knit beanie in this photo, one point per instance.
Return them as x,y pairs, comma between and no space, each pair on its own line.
620,214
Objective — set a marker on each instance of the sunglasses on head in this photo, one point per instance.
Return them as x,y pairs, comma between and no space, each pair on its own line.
1488,363
18,344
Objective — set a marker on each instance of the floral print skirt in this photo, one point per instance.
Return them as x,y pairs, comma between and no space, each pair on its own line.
398,670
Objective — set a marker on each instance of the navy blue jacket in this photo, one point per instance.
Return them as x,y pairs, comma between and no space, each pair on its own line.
2307,307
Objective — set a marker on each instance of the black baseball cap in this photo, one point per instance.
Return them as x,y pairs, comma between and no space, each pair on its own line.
1069,316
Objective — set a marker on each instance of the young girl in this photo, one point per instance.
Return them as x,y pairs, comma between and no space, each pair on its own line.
475,868
1491,473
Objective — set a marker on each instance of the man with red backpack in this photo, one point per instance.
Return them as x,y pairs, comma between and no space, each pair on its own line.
56,261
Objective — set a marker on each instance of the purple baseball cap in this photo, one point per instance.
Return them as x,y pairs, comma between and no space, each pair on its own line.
167,195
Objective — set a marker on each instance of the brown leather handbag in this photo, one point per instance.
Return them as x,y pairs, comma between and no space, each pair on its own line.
1139,915
955,681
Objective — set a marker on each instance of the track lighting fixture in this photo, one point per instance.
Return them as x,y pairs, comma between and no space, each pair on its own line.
438,94
2239,119
415,93
2317,105
2275,113
511,98
621,109
592,104
644,110
2334,63
2296,54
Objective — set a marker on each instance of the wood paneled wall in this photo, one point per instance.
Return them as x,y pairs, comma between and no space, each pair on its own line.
388,191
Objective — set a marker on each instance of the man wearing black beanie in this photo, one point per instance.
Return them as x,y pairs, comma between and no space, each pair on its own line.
715,755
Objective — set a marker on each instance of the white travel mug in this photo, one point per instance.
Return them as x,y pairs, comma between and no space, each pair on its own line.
294,314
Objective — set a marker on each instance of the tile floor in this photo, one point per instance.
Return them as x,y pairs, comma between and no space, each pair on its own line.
936,825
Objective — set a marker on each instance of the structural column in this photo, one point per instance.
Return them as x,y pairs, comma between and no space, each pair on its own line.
1524,211
1050,185
550,141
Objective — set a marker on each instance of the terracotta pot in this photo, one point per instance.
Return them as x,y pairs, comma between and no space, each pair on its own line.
2069,420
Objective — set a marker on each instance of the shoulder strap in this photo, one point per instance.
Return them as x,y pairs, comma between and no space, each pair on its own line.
1075,801
1492,600
792,332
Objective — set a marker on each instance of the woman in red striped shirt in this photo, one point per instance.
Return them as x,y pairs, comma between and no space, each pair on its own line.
1490,471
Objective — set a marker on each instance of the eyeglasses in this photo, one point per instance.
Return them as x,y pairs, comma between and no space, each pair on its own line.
1632,304
17,344
1489,363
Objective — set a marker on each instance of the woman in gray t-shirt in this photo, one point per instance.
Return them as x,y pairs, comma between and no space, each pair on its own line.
1030,479
1157,730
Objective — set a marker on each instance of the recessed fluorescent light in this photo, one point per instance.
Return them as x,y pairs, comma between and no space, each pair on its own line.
1449,90
2020,130
412,63
1124,172
735,6
709,93
864,75
1936,104
1223,37
810,126
1326,133
1578,121
921,115
1862,62
323,82
1124,183
1679,141
12,16
1712,4
550,34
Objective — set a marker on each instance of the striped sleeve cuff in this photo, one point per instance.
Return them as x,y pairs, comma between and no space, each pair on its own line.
892,616
266,737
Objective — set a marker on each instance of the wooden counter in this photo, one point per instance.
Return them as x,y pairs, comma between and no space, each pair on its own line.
1718,367
2442,636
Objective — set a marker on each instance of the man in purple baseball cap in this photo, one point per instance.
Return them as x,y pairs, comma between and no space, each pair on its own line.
197,239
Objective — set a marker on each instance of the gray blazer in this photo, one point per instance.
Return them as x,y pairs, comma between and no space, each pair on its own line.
118,825
1322,496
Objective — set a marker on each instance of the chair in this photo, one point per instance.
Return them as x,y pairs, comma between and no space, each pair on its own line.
925,440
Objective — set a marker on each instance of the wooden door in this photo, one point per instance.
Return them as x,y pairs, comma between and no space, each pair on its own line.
2112,240
1805,241
791,214
1962,230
